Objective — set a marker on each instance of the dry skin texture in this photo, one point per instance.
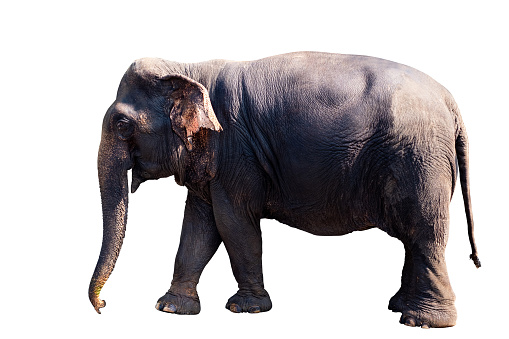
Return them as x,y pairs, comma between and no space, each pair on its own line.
325,143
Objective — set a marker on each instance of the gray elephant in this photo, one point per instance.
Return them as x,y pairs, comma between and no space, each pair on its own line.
326,143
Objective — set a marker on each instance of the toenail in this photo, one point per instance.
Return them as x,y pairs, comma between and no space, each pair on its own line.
254,309
171,308
235,308
408,321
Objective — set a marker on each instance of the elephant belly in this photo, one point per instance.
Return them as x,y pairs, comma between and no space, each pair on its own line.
319,219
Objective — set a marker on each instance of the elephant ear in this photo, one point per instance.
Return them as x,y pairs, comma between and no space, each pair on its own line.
193,120
191,110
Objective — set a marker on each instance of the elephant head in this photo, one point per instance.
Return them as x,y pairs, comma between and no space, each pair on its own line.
159,125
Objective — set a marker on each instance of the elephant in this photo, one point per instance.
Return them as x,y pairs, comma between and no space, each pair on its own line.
325,143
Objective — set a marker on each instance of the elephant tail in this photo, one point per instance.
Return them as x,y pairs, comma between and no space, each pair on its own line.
462,155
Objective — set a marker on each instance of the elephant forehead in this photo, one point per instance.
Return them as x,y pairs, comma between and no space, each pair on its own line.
126,109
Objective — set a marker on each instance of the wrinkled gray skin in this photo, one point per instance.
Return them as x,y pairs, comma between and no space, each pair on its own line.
326,143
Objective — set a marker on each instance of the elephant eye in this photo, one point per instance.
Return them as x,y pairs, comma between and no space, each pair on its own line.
124,129
121,125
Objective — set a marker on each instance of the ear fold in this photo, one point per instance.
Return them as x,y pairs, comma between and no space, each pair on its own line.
191,109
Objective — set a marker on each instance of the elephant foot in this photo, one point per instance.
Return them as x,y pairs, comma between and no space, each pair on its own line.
248,301
178,304
423,316
428,319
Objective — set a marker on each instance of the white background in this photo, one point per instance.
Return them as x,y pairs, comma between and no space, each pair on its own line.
60,67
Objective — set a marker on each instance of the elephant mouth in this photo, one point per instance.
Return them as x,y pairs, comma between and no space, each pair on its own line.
143,171
138,177
135,183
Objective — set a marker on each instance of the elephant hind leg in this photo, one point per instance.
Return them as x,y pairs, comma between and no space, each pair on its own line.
399,300
426,297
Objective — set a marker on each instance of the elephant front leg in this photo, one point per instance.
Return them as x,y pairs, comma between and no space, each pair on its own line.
198,243
244,246
241,234
246,263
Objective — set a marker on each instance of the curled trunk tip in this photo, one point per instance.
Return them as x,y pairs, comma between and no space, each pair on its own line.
94,291
97,302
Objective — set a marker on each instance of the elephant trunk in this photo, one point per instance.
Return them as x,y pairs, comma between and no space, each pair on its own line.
113,163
